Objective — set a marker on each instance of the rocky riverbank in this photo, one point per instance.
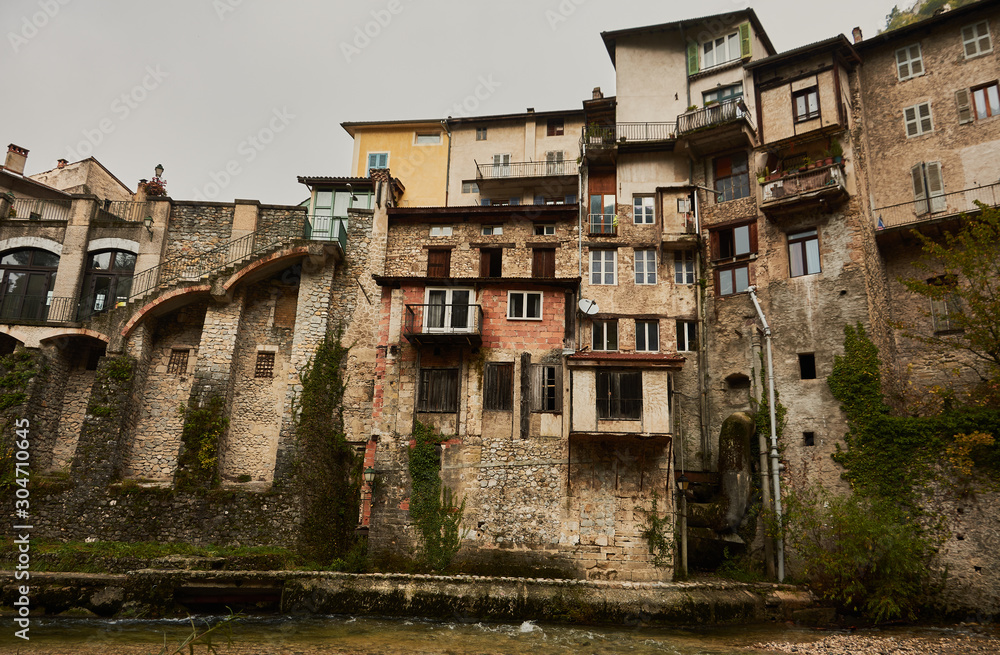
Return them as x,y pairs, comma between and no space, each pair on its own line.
948,643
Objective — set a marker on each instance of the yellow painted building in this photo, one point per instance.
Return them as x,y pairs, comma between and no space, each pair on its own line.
416,152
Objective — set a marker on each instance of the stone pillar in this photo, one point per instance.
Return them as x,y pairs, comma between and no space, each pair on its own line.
153,246
213,368
244,218
74,253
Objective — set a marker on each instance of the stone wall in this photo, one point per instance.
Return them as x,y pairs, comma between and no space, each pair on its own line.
196,228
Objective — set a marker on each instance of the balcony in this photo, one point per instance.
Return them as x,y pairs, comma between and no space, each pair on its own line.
36,309
40,210
897,219
717,127
805,190
444,324
605,225
597,140
122,211
526,169
327,228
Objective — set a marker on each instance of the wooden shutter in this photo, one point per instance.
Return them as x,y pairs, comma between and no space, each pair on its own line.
964,106
745,39
753,237
713,240
919,191
692,55
438,263
543,262
935,186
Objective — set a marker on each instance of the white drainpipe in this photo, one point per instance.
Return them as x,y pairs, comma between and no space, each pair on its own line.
774,435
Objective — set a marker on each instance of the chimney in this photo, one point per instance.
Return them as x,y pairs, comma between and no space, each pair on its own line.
597,93
16,156
61,163
857,34
531,110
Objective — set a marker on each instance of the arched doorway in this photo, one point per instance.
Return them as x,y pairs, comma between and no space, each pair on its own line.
107,281
28,276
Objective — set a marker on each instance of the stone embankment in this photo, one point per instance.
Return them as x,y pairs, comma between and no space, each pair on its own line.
152,592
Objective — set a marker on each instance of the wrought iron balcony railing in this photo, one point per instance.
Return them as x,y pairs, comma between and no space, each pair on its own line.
40,210
715,114
40,308
624,133
936,207
435,319
796,184
526,169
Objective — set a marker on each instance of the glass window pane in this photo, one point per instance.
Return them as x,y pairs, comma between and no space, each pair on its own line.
43,258
640,335
534,305
795,259
725,283
742,237
324,199
341,201
516,305
124,261
812,256
16,258
742,279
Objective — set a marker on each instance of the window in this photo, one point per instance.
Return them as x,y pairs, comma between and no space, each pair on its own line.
603,266
619,395
543,262
438,263
498,386
732,280
480,134
501,165
684,267
642,210
490,262
441,231
918,119
687,336
723,93
107,281
718,51
378,160
546,388
554,163
806,104
449,311
732,177
264,368
986,101
554,127
928,188
430,139
602,214
947,309
807,366
808,438
803,253
438,390
605,335
733,242
976,39
178,362
524,305
545,230
26,280
492,230
470,187
647,336
909,62
645,266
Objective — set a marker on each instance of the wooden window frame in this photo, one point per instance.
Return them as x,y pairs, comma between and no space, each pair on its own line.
650,331
615,406
546,388
442,266
543,262
438,378
498,386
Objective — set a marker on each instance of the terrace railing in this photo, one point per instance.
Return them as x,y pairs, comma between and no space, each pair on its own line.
716,114
490,171
122,210
42,308
936,207
40,210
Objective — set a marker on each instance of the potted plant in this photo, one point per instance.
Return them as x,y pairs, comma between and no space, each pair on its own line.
761,174
691,108
836,151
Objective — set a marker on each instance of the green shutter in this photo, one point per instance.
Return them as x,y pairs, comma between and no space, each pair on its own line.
692,57
744,39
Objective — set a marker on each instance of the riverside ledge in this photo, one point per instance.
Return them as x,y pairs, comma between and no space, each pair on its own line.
161,592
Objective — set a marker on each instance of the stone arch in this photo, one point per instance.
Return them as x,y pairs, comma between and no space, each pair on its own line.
15,243
264,265
113,244
163,302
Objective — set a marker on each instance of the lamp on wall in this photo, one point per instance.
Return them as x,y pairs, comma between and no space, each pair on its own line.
158,170
369,476
148,224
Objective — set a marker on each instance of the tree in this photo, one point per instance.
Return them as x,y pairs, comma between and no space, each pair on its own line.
965,289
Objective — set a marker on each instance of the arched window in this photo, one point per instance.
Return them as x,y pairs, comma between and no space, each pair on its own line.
28,276
107,281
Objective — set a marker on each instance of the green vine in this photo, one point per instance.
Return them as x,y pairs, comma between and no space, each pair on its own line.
432,507
328,468
18,369
197,465
658,535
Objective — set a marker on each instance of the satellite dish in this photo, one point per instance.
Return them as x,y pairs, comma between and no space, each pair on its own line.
588,307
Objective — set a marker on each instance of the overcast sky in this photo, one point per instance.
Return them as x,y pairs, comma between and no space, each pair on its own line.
237,97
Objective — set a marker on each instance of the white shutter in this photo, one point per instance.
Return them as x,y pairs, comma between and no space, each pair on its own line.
919,192
910,117
925,118
935,187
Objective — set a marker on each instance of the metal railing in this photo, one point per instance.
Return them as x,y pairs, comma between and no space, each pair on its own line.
716,114
40,308
40,210
628,133
797,183
438,319
604,224
525,169
201,265
936,207
122,210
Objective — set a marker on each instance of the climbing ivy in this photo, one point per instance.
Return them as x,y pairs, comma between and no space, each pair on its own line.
204,425
656,532
432,508
896,456
16,371
328,470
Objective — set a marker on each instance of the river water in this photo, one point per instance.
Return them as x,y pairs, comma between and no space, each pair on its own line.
379,636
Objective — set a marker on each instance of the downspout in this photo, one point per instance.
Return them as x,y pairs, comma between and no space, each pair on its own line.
706,459
447,170
774,435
